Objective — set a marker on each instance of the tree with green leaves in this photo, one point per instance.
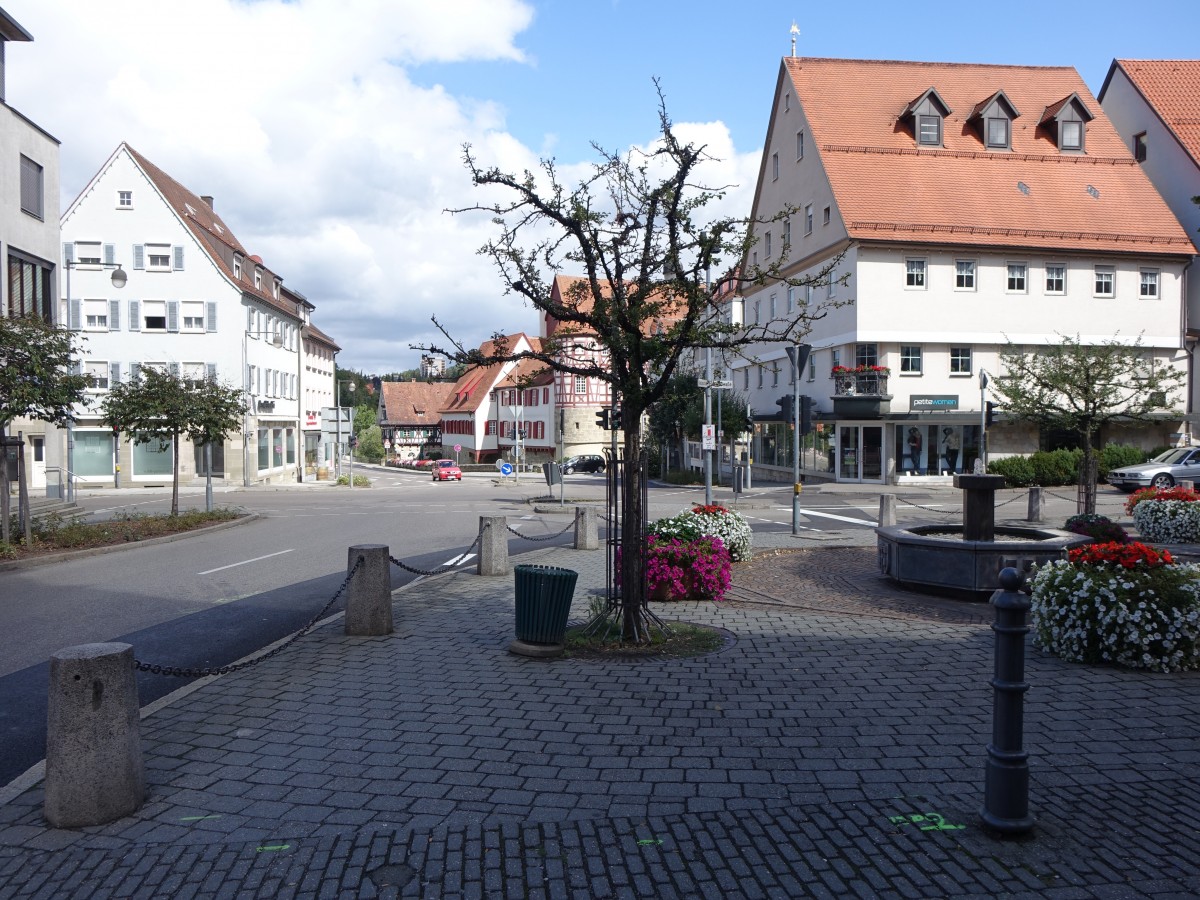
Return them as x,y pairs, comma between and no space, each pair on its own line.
638,232
1081,388
680,412
37,381
158,405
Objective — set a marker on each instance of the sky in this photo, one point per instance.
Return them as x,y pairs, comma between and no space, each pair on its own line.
330,132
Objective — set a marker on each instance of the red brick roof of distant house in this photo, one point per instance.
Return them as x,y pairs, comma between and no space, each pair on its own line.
859,115
472,389
1172,89
566,290
414,402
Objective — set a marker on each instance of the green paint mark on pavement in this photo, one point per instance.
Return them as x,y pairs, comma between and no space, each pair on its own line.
197,818
274,847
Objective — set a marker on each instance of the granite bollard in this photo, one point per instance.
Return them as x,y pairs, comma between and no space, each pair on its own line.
369,594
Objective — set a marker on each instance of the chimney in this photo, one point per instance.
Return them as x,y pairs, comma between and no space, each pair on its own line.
208,200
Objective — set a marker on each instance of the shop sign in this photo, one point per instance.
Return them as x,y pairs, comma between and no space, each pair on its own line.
925,402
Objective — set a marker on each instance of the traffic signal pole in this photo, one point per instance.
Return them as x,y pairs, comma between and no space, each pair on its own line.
798,354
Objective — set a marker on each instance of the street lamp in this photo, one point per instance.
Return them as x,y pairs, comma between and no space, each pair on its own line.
119,280
276,341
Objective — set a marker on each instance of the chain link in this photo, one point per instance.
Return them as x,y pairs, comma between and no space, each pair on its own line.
440,569
940,512
548,537
177,672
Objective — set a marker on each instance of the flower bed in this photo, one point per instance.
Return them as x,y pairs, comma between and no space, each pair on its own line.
1098,528
687,570
1119,603
1170,516
709,521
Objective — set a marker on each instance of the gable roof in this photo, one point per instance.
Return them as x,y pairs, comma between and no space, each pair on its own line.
1171,87
561,293
473,389
888,189
413,402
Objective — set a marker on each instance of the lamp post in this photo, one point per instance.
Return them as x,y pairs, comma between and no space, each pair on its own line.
119,279
277,342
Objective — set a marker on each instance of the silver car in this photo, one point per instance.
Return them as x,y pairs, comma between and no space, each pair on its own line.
1179,464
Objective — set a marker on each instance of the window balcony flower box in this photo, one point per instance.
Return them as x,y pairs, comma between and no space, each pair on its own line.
870,381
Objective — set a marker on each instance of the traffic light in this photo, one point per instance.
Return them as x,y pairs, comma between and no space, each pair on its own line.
785,407
806,414
616,418
353,441
602,418
990,418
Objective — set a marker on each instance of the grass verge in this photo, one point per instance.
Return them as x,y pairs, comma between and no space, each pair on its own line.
682,640
53,534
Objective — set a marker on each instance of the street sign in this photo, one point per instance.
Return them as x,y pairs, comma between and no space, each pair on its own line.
506,469
715,385
458,448
387,445
708,437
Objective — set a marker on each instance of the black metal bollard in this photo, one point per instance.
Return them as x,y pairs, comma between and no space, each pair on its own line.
1006,788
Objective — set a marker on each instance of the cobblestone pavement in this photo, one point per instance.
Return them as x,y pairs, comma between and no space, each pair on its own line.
834,748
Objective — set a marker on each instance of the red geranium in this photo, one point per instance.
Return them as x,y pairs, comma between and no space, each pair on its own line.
1128,556
1151,493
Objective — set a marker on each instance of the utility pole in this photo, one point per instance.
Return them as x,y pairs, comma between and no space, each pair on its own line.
798,354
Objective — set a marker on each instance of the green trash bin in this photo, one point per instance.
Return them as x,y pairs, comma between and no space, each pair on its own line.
543,602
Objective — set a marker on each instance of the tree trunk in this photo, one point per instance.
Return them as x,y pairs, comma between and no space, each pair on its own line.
634,622
175,474
1086,502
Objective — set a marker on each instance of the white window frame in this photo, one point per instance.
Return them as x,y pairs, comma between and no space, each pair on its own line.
191,306
915,273
911,359
1061,268
99,371
866,354
151,255
580,385
774,166
767,245
124,199
959,355
145,312
1010,276
1104,274
193,373
101,323
964,274
799,145
808,219
84,257
1148,278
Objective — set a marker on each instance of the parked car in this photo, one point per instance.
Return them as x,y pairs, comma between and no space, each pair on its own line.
446,470
1180,463
587,463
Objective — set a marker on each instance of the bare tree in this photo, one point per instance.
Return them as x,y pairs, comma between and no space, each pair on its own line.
635,231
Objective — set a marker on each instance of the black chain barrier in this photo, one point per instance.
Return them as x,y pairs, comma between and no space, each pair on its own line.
177,672
1099,500
440,569
547,537
940,512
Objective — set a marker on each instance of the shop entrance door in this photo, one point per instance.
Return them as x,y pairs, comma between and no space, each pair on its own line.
860,453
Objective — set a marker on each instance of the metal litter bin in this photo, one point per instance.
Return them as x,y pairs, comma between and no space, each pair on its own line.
544,596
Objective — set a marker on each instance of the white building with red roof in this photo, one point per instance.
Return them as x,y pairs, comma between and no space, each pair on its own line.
410,416
970,205
198,303
469,415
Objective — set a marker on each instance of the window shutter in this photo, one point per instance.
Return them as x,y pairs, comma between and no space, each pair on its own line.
110,254
211,368
172,315
211,319
69,252
173,368
178,258
114,315
135,320
74,314
135,371
114,373
139,256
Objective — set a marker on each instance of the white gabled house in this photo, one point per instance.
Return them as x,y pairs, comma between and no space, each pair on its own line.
195,302
971,205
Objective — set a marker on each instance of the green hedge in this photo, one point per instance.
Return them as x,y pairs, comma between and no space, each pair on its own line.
1059,467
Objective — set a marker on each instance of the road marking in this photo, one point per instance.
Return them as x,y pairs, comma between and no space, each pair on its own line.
243,563
825,515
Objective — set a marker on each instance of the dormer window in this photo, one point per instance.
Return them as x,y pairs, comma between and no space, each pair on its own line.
995,116
928,113
258,279
237,266
1067,121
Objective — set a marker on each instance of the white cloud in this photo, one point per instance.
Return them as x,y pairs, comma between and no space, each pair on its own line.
323,155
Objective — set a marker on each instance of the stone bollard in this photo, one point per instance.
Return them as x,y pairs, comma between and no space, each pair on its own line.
493,546
1006,787
587,535
1035,505
887,509
94,768
369,593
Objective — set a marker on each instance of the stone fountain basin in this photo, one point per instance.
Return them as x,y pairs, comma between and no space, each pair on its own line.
936,559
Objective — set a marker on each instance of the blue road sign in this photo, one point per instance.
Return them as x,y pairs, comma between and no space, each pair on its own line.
506,469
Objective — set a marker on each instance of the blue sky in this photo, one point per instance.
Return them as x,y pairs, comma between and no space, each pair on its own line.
330,131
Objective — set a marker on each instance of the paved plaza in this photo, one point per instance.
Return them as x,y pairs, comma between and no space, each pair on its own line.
833,747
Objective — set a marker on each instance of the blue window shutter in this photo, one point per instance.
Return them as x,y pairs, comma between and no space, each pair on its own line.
211,319
110,254
135,320
74,313
178,259
69,252
212,371
173,368
135,371
114,373
139,256
172,315
114,315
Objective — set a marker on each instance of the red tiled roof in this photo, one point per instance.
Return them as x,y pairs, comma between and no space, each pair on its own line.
414,402
889,190
1172,88
472,389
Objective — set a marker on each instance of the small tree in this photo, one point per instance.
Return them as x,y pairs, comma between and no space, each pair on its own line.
36,382
633,229
161,406
680,412
1081,388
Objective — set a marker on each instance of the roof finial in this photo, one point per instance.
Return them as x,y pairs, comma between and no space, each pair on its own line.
795,31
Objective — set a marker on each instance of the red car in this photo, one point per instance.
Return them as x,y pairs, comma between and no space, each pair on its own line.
446,470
